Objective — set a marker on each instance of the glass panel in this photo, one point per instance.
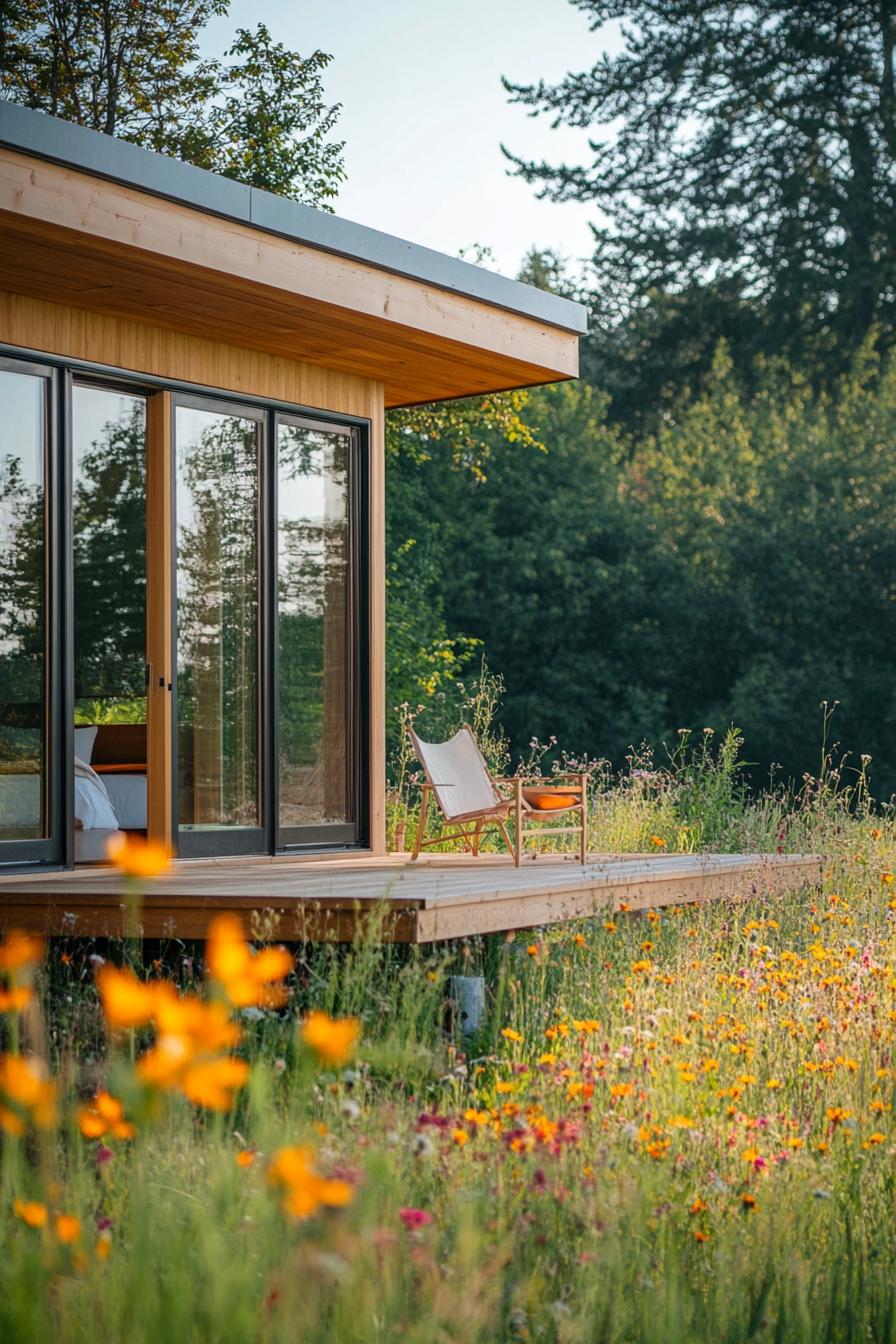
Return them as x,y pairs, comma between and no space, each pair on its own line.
23,661
109,525
109,580
217,619
313,597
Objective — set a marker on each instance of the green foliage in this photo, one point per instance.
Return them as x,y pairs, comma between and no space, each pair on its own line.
733,566
425,660
134,70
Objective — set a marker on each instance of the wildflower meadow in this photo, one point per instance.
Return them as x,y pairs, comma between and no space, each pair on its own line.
672,1126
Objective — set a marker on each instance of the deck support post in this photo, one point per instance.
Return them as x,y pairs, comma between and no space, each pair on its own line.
468,997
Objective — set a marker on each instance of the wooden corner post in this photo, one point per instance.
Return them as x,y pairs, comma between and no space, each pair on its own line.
377,670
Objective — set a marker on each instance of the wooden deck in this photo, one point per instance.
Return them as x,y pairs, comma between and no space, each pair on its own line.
440,896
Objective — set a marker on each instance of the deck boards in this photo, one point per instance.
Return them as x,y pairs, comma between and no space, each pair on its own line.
440,896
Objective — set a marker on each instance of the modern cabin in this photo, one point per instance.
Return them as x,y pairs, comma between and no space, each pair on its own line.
194,377
193,380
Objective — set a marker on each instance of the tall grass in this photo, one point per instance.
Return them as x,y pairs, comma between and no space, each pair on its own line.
674,1126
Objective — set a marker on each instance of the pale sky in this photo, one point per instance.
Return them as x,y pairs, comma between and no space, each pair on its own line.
424,113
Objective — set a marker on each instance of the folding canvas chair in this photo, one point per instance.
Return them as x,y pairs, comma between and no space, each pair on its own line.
470,801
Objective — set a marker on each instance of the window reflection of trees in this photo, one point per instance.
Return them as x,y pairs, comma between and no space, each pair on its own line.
313,652
22,607
217,614
109,522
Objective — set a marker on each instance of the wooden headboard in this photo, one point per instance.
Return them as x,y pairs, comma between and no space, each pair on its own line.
119,744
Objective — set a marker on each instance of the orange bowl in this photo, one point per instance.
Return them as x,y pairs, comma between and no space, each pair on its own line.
550,800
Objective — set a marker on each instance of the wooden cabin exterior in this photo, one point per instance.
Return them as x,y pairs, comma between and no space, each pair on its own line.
194,377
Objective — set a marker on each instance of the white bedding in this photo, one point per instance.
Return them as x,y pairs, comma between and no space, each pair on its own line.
127,794
20,801
101,803
93,806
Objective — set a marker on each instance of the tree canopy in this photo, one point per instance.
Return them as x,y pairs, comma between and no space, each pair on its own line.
132,68
747,152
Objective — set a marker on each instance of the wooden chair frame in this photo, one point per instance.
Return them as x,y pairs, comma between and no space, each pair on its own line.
514,807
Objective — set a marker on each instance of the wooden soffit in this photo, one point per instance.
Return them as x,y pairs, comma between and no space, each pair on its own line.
76,239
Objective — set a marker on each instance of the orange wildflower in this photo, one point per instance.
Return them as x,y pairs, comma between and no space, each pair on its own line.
837,1114
26,1094
16,998
658,842
204,1026
185,1055
104,1118
127,1001
245,1157
20,949
460,1137
136,857
212,1084
68,1228
305,1191
621,1089
30,1212
247,978
332,1039
474,1117
510,1035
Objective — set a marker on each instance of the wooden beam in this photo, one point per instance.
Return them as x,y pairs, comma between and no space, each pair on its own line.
138,348
377,635
434,899
65,235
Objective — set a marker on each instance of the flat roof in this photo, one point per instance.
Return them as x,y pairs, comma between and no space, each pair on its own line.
33,132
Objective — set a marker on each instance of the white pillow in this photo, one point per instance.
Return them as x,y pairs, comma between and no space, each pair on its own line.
84,740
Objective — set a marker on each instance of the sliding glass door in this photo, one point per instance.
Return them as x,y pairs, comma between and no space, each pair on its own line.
30,795
316,664
183,620
108,437
267,641
218,566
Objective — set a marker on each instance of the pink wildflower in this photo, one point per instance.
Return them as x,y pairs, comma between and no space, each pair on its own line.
415,1218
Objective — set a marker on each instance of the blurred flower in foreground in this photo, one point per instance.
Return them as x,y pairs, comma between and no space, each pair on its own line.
19,949
136,857
190,1036
26,1095
414,1219
292,1170
104,1117
127,1001
18,953
332,1039
31,1212
246,977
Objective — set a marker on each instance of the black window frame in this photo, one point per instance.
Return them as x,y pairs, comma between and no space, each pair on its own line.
57,751
353,833
57,851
